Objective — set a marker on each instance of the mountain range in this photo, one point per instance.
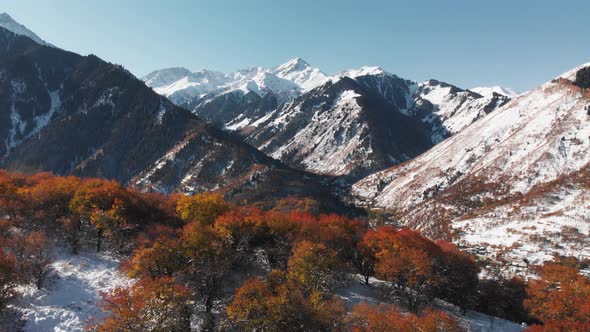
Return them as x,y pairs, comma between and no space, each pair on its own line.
486,167
347,125
71,114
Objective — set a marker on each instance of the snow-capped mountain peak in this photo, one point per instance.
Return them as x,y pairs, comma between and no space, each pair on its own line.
166,76
10,24
180,84
295,64
301,73
489,90
362,71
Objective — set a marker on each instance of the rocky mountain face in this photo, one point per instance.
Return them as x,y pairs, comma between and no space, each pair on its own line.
72,114
342,128
350,124
517,179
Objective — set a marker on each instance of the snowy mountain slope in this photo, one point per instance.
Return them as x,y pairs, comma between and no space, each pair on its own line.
363,122
341,128
66,113
450,109
475,181
10,24
489,90
20,115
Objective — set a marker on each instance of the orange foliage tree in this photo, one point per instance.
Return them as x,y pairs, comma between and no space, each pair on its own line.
161,256
148,305
51,194
202,208
11,202
240,227
103,205
560,299
406,259
32,256
277,304
209,260
388,318
315,267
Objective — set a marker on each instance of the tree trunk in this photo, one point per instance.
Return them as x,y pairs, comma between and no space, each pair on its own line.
99,240
39,282
208,304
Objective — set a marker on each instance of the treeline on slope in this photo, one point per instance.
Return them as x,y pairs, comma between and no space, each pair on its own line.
269,270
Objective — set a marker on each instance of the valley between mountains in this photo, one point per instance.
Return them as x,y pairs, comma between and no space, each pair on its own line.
498,172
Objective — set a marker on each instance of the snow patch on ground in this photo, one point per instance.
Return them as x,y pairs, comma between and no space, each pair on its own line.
478,322
436,94
357,292
69,298
239,124
42,120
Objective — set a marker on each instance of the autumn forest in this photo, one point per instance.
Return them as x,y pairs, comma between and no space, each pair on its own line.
244,268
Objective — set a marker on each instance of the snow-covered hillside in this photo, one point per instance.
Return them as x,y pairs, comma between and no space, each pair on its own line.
356,292
339,121
71,293
69,301
452,109
364,119
515,179
343,127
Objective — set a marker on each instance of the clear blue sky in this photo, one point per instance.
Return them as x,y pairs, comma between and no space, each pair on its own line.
516,43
